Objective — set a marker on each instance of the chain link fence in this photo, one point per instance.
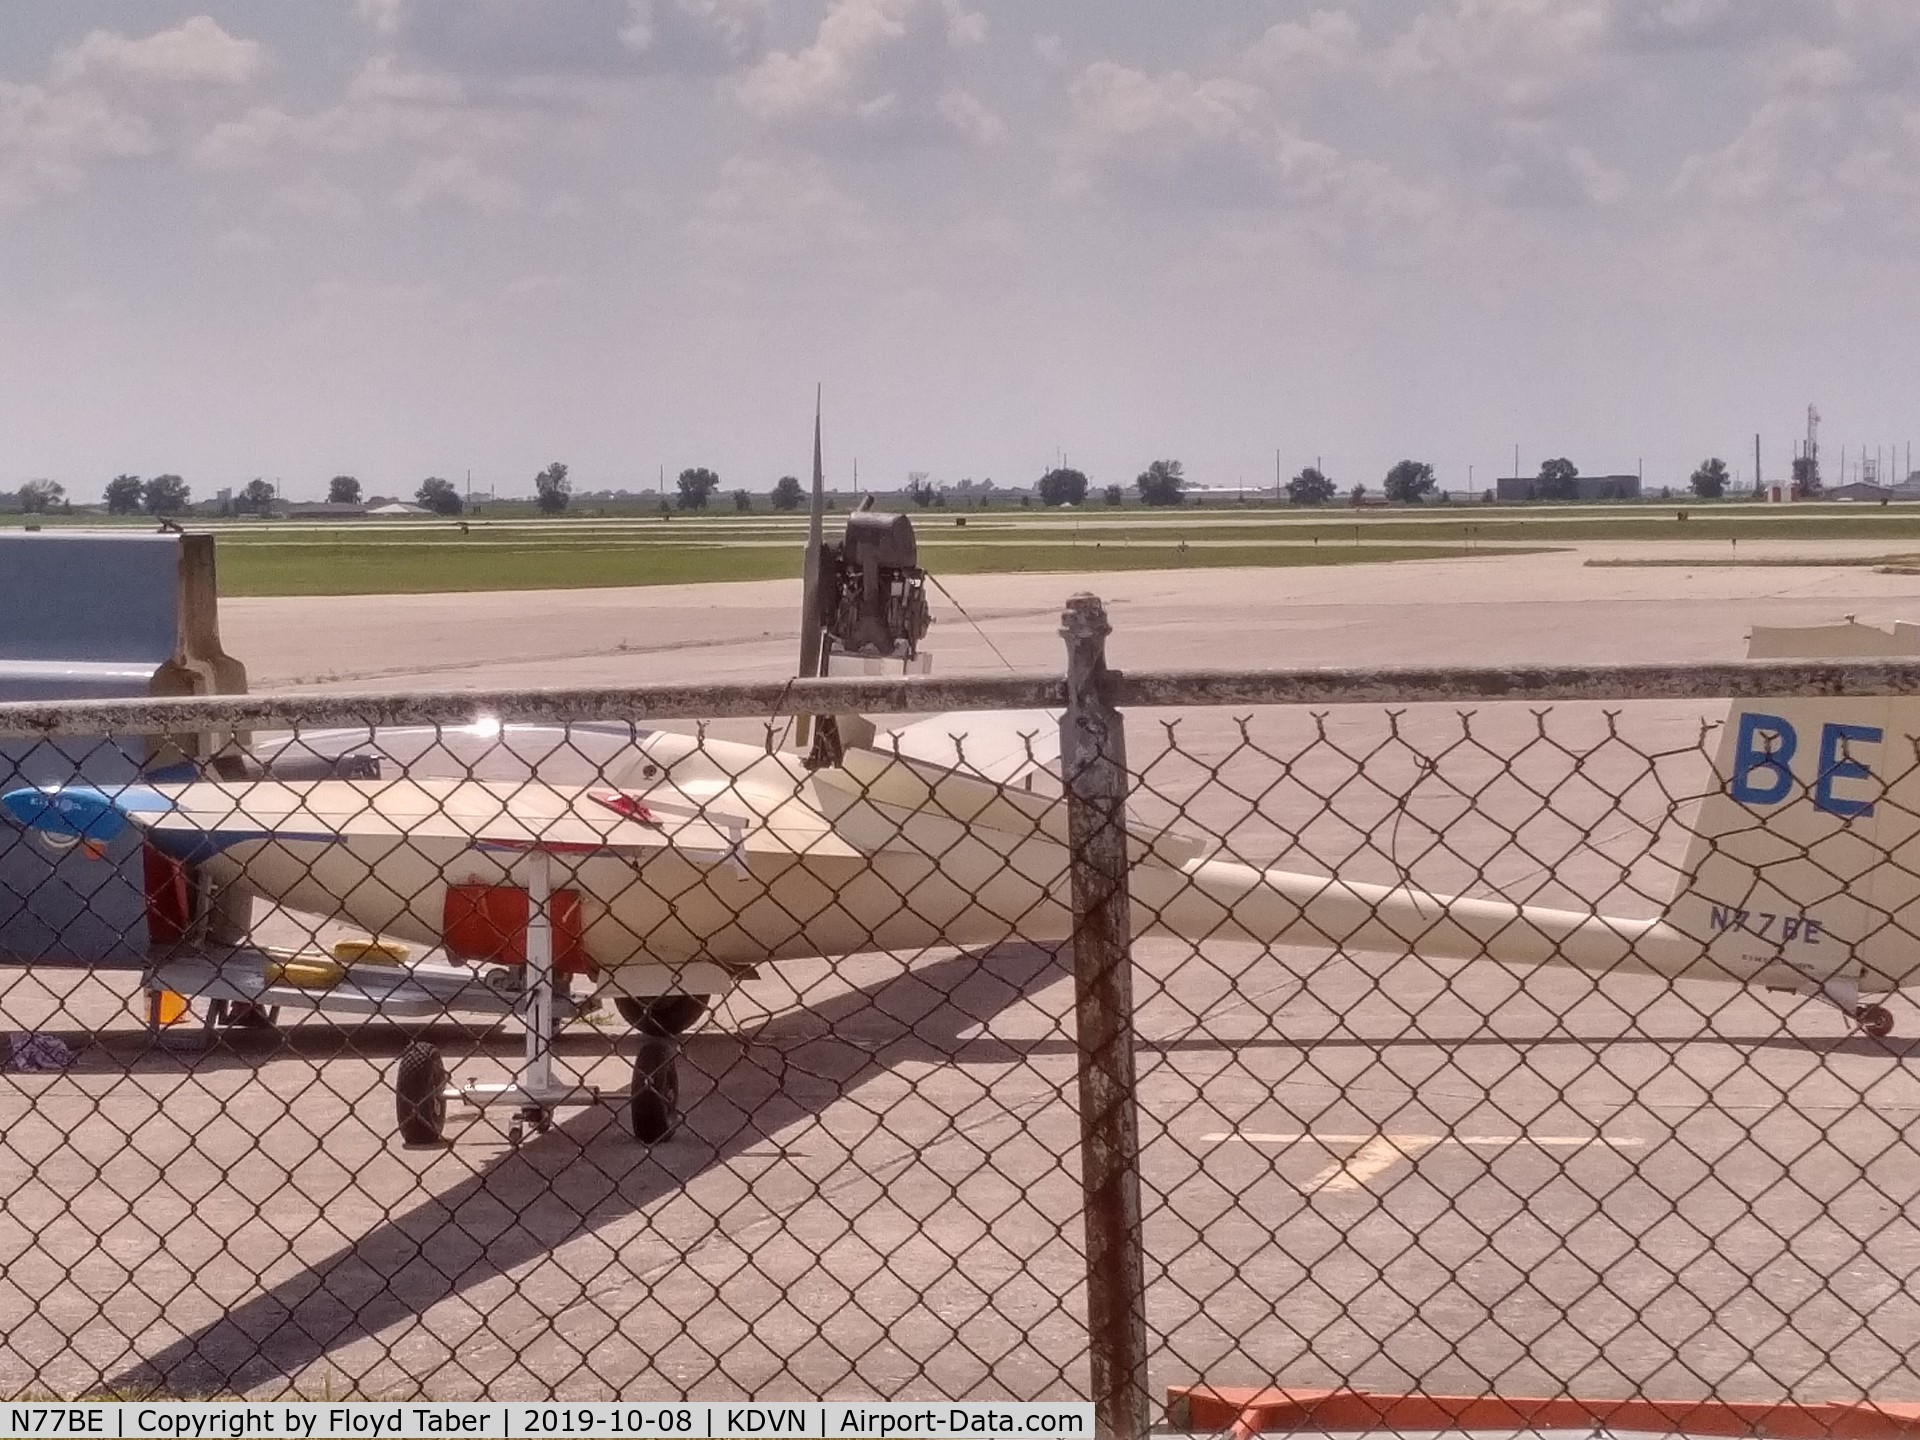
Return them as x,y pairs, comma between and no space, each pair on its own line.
1331,1030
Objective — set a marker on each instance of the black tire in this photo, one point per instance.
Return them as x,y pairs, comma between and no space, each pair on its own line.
420,1094
661,1014
1876,1020
247,1015
655,1104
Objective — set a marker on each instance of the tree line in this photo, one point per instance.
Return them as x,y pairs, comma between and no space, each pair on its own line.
1410,482
1162,483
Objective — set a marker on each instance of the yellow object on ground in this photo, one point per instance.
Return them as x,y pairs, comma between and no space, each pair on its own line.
370,952
169,1008
309,974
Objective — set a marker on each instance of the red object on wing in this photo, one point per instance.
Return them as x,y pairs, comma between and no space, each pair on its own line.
169,896
488,924
627,807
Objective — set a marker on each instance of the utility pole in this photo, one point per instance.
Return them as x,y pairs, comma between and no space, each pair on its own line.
1516,462
1756,463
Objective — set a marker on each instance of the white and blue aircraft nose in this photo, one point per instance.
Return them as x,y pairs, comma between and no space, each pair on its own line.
81,811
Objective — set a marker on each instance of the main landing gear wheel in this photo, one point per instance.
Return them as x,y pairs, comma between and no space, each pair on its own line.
420,1094
1876,1020
655,1103
661,1014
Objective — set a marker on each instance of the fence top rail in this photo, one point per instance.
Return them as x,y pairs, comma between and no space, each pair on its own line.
1031,690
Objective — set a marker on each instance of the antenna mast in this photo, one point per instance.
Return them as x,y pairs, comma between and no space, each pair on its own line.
810,582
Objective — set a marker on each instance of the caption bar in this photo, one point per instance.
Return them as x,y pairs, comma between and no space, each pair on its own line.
604,1420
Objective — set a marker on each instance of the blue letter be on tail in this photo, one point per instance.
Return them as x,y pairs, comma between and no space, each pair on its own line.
1837,763
1749,756
1763,760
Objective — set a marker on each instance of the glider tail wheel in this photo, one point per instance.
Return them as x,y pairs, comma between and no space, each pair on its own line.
1876,1020
655,1098
420,1094
661,1014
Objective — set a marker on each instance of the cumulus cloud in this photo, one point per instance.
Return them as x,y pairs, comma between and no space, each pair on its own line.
1697,24
49,138
500,38
1518,54
1867,46
1834,141
195,52
763,208
459,180
1211,139
412,136
1820,160
1485,105
695,34
1215,141
1539,167
877,70
1525,55
384,78
114,97
1327,43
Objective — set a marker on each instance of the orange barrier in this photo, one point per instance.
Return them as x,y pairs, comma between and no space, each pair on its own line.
1250,1411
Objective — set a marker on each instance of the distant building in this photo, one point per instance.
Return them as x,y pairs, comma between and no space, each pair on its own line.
1908,489
398,507
323,509
1511,490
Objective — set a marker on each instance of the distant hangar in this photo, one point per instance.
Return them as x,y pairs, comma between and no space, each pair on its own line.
1511,489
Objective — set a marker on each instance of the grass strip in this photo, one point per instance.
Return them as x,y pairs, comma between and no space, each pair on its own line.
376,570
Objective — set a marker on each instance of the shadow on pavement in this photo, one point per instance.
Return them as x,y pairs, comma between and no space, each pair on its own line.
587,1172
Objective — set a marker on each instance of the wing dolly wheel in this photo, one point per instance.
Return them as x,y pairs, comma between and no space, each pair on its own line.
1875,1020
654,1103
420,1094
661,1014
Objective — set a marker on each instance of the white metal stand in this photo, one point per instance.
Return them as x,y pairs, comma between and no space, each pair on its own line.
536,1089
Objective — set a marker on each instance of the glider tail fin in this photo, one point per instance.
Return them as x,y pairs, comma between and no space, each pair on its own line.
1798,871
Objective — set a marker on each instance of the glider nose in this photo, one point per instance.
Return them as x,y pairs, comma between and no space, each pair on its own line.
79,811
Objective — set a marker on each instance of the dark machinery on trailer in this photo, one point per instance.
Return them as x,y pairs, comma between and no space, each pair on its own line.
871,604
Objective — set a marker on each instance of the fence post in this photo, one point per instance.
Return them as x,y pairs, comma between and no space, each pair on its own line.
1093,755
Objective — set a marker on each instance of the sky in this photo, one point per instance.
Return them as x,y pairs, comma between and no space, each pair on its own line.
400,238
